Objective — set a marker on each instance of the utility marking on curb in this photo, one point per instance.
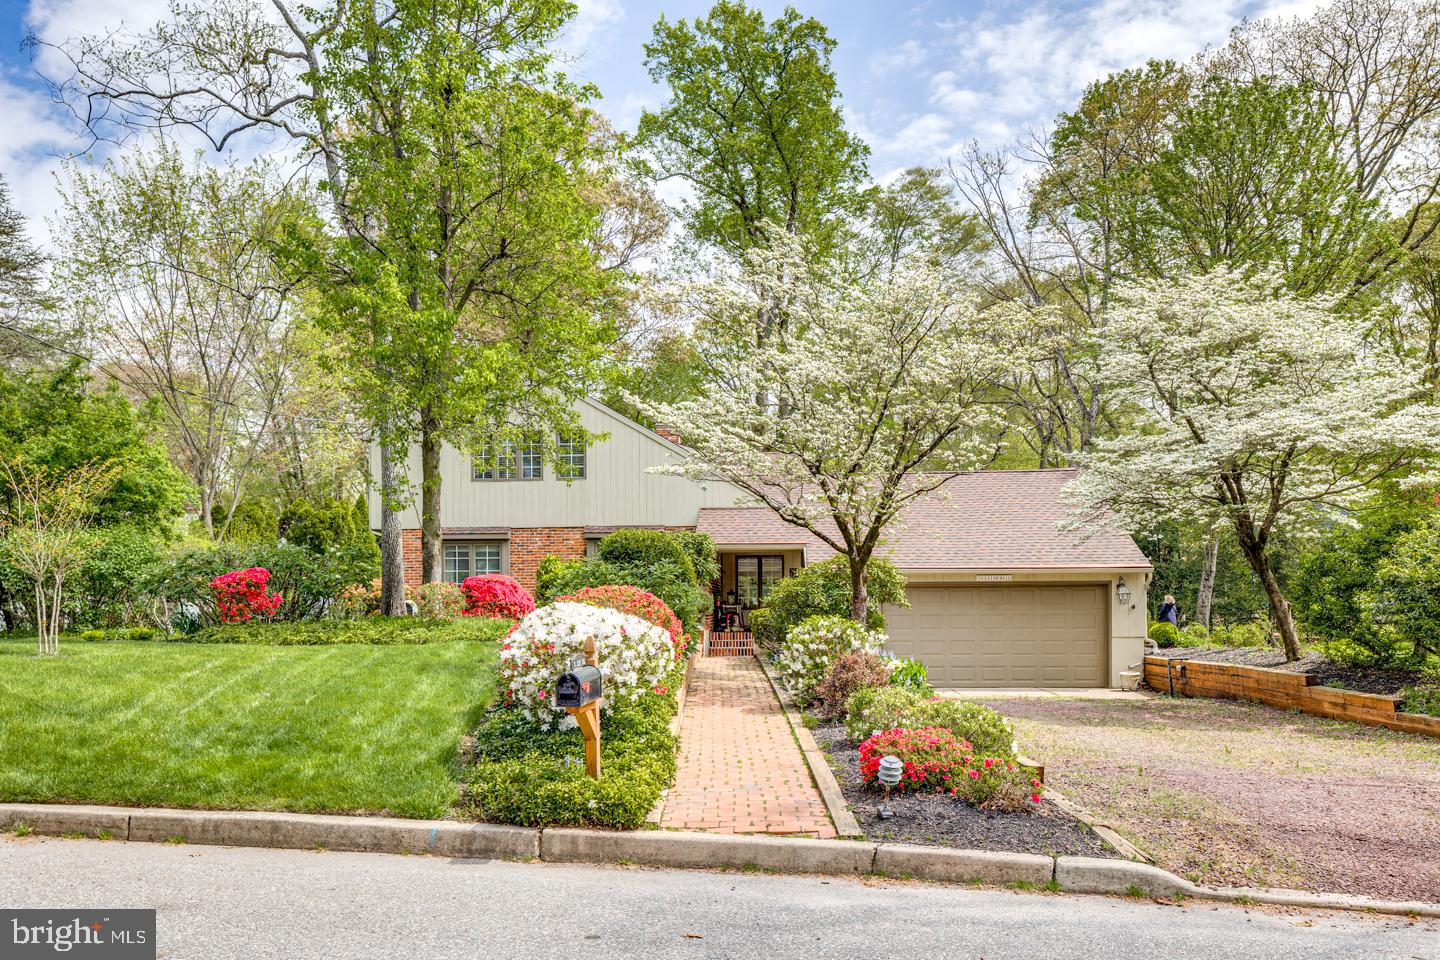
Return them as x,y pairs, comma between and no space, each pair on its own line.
434,833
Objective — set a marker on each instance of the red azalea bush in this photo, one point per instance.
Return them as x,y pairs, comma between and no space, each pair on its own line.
637,603
496,596
241,594
935,759
933,756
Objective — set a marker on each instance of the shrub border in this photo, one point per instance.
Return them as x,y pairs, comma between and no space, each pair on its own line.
657,848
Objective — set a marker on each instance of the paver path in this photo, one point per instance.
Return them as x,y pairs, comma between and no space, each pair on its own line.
740,768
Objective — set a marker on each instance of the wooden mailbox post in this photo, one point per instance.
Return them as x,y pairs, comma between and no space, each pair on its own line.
588,717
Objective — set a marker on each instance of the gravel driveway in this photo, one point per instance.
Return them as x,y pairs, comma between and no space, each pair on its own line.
1238,794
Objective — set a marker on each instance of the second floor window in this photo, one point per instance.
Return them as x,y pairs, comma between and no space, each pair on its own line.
570,459
510,461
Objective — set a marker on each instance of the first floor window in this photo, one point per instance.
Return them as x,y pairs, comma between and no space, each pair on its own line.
472,559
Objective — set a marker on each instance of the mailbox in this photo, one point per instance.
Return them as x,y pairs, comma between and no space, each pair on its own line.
578,687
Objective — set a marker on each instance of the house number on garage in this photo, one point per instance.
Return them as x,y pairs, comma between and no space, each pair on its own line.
993,578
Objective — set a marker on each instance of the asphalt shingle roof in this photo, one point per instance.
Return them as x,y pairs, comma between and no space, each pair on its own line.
991,520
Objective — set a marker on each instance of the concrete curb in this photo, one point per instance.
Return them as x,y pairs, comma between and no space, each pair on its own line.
298,831
845,823
666,848
658,848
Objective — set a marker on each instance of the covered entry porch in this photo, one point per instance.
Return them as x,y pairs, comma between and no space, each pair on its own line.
747,575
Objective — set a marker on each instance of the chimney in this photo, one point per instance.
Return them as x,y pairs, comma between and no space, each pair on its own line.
668,432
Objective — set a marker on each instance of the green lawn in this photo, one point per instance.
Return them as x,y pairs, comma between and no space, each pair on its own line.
344,729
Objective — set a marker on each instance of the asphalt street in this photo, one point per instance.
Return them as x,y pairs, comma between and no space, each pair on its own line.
218,902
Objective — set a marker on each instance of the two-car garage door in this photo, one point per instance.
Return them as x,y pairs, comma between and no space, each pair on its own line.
1005,636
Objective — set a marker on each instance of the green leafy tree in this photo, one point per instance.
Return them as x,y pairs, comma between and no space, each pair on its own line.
471,158
26,328
753,125
917,217
451,157
1404,605
56,422
1335,578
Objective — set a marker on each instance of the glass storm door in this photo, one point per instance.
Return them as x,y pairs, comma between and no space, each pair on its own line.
754,576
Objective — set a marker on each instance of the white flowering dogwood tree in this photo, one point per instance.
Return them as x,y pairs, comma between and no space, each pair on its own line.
1253,411
866,395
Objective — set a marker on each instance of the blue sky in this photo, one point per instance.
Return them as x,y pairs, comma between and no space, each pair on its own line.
920,78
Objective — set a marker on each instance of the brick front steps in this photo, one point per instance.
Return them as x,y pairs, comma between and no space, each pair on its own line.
729,643
655,848
1283,690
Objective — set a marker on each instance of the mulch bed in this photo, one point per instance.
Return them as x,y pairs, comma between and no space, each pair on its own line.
939,820
1326,672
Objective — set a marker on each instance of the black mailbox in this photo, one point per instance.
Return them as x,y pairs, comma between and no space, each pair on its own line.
577,687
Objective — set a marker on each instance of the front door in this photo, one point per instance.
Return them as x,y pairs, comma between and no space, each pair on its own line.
754,578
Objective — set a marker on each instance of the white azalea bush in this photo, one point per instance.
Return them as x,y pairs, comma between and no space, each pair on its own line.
634,655
804,657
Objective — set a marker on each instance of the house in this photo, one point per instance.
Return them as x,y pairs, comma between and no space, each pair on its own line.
1000,597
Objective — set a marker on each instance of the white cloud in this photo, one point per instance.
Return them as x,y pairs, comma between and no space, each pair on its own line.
595,23
30,139
904,56
923,137
1031,63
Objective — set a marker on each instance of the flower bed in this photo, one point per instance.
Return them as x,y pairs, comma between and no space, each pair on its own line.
936,818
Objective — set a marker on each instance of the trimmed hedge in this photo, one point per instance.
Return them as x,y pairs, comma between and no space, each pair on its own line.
646,548
372,630
537,778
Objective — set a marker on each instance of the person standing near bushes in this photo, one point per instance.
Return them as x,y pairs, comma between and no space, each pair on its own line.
1169,612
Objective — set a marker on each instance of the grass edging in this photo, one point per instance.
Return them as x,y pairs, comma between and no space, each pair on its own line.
659,848
845,823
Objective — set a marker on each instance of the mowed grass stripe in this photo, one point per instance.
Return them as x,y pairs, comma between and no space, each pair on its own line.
319,729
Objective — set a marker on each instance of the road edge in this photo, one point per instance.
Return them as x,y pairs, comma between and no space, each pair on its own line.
658,848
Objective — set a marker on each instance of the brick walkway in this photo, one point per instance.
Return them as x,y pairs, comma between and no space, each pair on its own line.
740,768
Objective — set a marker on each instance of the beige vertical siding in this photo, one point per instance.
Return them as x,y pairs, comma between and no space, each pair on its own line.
616,491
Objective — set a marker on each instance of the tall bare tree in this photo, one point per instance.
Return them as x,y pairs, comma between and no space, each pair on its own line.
170,265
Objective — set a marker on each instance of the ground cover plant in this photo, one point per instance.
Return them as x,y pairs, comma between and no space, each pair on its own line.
369,630
345,728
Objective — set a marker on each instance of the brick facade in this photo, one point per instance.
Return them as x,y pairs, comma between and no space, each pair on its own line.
410,551
530,545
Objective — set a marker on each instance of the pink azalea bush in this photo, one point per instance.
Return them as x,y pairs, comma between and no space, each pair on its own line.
496,596
242,594
637,603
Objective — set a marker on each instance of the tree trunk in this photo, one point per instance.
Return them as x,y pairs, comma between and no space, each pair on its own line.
430,569
859,599
1207,582
392,558
1259,561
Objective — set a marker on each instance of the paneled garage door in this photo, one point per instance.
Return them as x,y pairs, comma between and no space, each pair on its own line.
1010,636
